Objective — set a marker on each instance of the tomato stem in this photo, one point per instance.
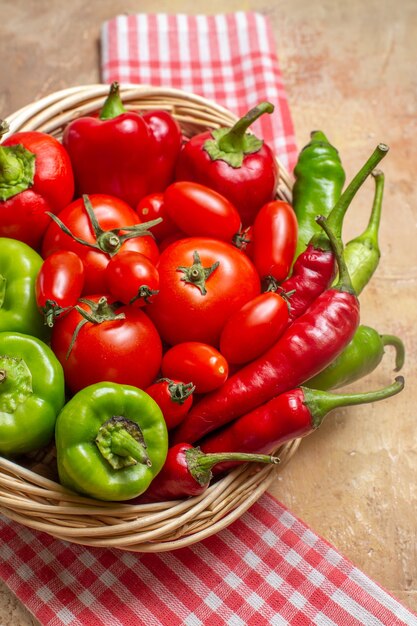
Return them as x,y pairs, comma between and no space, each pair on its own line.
196,274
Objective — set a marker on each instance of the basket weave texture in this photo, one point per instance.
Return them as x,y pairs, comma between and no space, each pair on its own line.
29,490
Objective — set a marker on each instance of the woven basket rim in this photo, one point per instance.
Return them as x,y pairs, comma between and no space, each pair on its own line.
28,496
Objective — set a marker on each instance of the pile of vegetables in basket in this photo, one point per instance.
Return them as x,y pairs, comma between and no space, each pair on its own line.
163,316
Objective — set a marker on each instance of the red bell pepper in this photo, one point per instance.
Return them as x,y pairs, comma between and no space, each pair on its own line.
234,163
36,177
123,153
188,472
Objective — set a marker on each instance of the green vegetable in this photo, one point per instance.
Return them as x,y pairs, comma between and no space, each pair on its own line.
319,180
360,357
111,441
32,392
19,266
362,253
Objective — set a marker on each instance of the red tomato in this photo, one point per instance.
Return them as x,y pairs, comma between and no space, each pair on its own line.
200,211
126,350
132,278
174,398
111,214
196,361
275,233
151,207
254,328
201,283
60,280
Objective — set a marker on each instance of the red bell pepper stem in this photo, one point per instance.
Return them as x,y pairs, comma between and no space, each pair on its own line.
188,471
308,345
236,139
113,105
295,413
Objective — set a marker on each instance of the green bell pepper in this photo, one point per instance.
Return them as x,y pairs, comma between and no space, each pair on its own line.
19,266
32,392
111,441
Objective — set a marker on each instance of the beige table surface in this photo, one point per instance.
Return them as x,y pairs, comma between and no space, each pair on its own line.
349,69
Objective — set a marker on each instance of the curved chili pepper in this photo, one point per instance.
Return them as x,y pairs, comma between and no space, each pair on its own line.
295,413
362,253
188,471
319,180
308,345
234,162
360,357
314,270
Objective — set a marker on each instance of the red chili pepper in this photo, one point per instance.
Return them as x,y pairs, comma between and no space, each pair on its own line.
123,153
174,398
309,344
233,162
36,177
292,414
314,269
188,472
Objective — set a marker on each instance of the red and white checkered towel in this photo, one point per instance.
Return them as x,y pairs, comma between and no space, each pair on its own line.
267,568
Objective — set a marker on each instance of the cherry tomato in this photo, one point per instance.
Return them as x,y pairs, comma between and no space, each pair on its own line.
200,211
132,278
59,283
275,233
124,350
174,398
151,207
111,214
253,329
196,361
201,283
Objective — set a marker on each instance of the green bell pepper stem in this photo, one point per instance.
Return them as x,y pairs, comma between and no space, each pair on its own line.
361,356
113,105
362,253
320,403
121,443
17,167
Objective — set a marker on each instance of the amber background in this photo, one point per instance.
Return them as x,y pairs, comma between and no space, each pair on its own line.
349,69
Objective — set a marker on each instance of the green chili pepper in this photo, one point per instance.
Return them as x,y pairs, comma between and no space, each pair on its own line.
360,357
111,441
319,180
362,253
19,266
32,392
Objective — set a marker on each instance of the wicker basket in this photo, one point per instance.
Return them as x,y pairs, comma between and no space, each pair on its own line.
29,492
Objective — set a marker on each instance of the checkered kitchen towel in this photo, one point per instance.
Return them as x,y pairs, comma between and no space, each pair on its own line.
267,568
229,58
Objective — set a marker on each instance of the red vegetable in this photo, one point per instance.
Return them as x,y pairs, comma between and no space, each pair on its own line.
233,162
96,228
314,269
292,414
123,153
174,398
201,283
152,207
187,472
308,345
274,240
59,284
98,341
253,329
35,178
196,361
200,211
132,278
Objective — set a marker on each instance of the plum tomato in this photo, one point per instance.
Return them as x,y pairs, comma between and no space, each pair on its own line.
253,329
201,283
152,207
132,278
198,362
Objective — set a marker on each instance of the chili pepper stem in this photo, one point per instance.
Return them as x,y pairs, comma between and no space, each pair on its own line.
201,464
393,340
320,403
113,105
